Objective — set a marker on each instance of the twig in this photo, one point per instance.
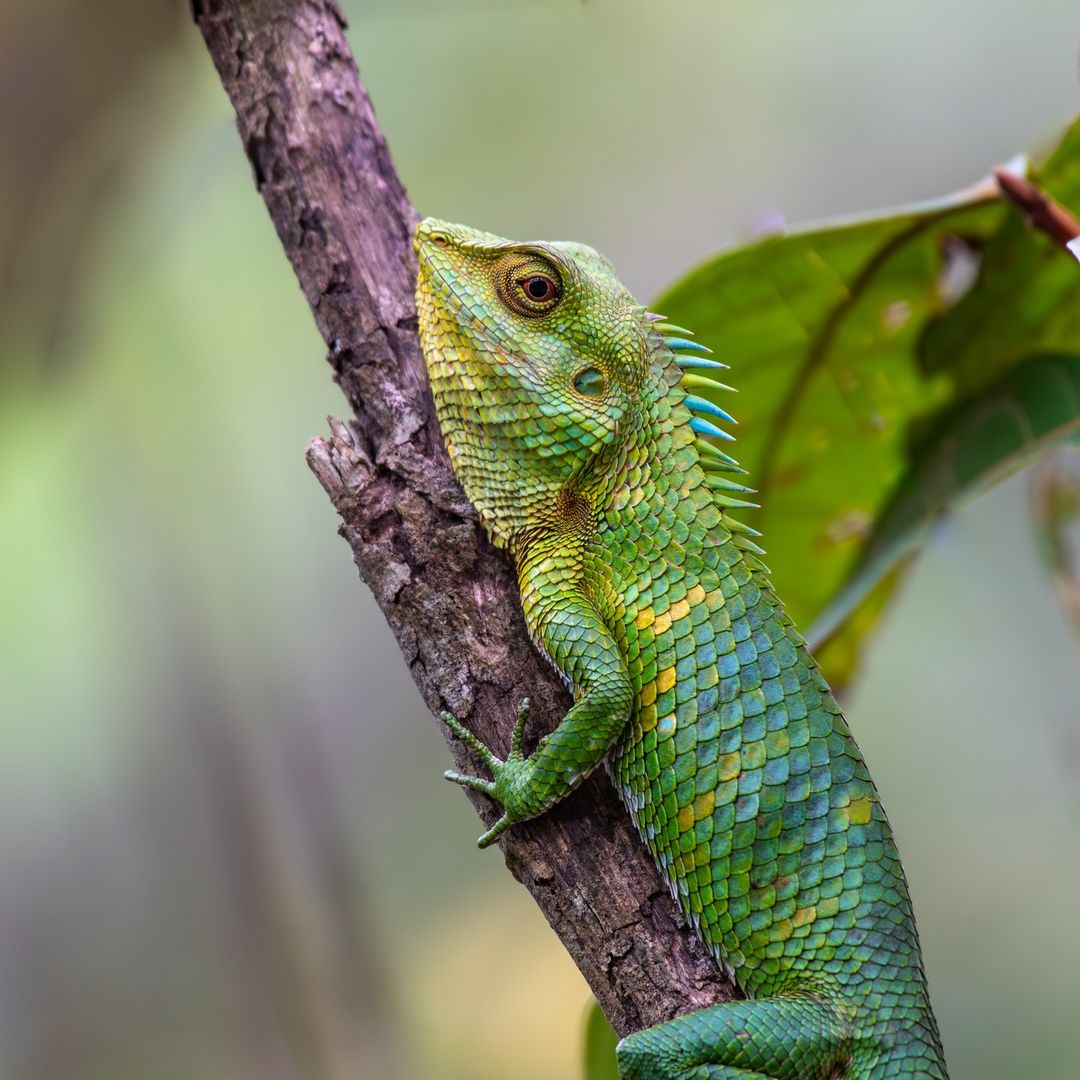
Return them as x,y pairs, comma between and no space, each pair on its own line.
1041,211
324,170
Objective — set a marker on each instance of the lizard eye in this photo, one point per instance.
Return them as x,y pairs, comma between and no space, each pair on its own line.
529,287
589,382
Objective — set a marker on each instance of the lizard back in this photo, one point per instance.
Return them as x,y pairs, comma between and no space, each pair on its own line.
738,766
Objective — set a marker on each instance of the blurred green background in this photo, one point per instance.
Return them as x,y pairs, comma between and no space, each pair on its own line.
225,848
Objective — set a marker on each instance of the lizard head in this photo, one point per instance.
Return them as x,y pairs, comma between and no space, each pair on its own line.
539,365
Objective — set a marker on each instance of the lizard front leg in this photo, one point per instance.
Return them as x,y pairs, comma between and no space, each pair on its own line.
576,639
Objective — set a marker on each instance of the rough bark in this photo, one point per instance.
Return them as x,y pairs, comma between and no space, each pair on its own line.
323,168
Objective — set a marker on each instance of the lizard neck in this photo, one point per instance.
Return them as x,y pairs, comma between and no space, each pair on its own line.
645,487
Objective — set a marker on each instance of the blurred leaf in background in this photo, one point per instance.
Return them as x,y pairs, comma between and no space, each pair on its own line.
851,343
225,850
600,1043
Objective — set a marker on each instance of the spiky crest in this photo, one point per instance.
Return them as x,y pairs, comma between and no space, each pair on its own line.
675,344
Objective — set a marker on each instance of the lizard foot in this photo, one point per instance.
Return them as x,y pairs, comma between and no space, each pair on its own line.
505,773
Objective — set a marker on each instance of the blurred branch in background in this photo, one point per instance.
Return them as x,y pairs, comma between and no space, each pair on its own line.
324,170
1055,489
1055,497
75,81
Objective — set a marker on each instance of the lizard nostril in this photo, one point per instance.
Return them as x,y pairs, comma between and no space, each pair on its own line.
439,239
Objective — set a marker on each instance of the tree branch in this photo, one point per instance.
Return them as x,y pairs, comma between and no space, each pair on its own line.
323,168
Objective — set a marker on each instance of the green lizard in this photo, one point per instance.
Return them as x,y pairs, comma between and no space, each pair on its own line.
574,422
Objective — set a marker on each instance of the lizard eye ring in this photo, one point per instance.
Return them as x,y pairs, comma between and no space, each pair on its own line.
530,287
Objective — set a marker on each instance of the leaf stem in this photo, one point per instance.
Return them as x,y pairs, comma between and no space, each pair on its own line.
1041,211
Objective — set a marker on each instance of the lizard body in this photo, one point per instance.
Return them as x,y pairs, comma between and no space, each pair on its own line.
574,421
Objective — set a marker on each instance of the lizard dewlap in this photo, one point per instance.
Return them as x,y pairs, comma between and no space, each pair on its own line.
586,433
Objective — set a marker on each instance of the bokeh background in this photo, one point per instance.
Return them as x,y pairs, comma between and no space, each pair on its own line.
225,848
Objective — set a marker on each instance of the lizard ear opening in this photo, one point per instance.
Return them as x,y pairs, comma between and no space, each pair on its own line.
590,382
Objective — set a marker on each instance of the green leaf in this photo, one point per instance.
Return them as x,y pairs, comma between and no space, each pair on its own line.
851,346
1032,408
600,1043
